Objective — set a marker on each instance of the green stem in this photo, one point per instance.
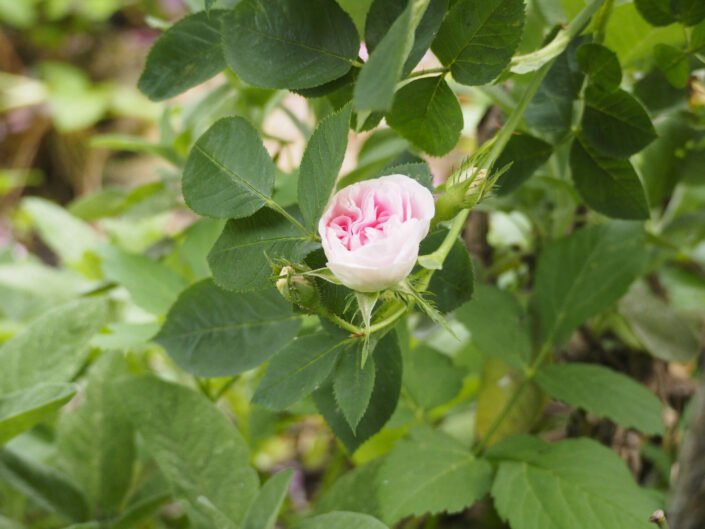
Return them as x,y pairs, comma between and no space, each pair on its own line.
429,71
601,21
276,207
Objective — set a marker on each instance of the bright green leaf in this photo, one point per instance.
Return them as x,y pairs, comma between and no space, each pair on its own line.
600,64
214,333
355,491
430,378
673,62
263,512
427,113
342,520
289,43
353,385
223,181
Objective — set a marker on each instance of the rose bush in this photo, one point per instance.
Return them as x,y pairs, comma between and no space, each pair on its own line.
371,231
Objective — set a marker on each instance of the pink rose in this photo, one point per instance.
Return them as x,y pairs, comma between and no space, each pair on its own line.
371,231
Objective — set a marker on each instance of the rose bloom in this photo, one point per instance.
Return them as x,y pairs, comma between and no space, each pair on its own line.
372,229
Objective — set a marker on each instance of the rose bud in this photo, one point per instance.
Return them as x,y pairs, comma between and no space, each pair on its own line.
371,231
297,288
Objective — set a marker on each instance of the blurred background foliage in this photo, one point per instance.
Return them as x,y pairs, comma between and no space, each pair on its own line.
90,203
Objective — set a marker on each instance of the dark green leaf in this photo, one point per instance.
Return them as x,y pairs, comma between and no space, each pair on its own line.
600,64
320,165
498,325
289,43
690,12
595,488
430,378
383,402
585,272
615,123
655,12
342,520
198,450
95,446
673,62
44,486
263,512
427,113
608,185
22,409
240,259
53,347
229,172
419,171
526,154
214,333
353,385
603,392
430,473
298,369
477,39
453,285
187,54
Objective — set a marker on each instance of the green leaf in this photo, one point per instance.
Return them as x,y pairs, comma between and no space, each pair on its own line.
342,520
153,286
690,12
673,62
223,181
477,39
357,9
655,12
353,385
198,450
427,113
383,402
526,154
187,54
608,185
210,332
584,273
289,43
418,171
453,285
615,123
430,378
355,491
44,486
430,473
603,392
665,333
95,446
53,347
498,385
240,259
21,410
263,512
140,511
298,369
594,485
320,165
498,325
600,64
379,76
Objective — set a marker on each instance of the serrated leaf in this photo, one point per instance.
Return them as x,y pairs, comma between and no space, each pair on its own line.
298,369
289,43
430,473
477,39
95,447
263,512
44,485
210,332
53,347
615,123
525,154
498,325
22,409
240,259
223,181
585,272
353,385
152,285
608,185
595,487
198,450
600,64
342,520
187,54
427,113
320,165
430,378
383,402
603,392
